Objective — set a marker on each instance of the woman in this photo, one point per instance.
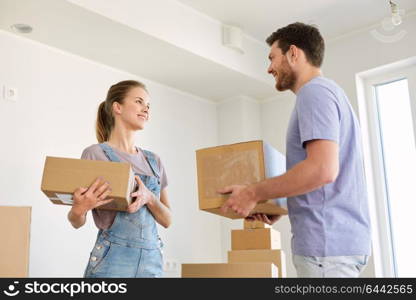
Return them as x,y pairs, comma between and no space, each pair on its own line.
127,243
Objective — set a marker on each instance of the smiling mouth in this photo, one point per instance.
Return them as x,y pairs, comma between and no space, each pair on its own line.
142,117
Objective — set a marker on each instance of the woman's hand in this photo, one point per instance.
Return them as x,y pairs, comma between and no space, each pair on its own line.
142,195
86,199
94,196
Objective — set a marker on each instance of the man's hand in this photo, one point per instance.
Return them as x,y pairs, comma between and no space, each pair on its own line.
242,199
268,219
142,195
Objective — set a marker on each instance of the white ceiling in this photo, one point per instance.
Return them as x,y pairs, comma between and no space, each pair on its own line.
106,39
63,25
259,18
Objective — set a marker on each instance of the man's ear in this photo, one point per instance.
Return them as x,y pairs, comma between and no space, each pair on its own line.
292,55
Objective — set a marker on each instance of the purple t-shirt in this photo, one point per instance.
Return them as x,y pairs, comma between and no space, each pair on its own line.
334,219
104,218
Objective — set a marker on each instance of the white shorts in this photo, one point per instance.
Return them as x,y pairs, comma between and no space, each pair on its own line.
330,266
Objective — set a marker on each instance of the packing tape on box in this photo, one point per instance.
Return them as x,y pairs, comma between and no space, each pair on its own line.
64,198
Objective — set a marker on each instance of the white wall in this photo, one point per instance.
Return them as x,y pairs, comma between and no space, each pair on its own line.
361,51
58,97
344,58
238,120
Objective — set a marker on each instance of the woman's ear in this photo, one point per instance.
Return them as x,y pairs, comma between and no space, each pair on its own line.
116,108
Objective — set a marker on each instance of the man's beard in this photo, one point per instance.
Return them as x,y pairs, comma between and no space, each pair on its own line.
286,78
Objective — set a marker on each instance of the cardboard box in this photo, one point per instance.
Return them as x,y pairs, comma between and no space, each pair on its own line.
277,257
62,176
15,241
255,225
237,270
241,163
251,239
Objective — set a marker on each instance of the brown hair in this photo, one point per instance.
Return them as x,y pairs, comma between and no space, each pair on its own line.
303,36
105,118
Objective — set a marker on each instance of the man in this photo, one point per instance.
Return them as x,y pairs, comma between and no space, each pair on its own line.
324,182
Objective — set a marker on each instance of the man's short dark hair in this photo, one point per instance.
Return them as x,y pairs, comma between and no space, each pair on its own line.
303,36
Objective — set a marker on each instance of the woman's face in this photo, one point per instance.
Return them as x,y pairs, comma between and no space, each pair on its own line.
134,112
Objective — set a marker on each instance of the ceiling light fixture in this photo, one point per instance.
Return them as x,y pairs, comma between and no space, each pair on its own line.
22,28
396,13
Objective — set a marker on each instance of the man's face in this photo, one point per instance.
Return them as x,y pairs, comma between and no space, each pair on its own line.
280,69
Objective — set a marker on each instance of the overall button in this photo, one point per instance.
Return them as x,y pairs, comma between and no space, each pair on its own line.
99,247
94,258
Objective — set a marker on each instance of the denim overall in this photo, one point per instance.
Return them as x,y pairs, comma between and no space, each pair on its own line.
131,247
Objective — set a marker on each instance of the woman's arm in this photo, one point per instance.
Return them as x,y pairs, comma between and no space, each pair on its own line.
77,217
161,209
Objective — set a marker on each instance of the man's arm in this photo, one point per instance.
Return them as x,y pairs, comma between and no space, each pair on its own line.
319,168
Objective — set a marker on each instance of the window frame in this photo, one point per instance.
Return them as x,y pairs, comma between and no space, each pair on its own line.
383,239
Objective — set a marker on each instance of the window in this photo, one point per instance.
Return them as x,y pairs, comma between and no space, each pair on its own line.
398,153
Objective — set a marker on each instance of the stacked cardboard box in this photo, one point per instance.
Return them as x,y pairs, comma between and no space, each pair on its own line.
230,270
255,252
15,241
258,242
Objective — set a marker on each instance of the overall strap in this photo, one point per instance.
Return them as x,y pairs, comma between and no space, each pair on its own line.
108,151
151,160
